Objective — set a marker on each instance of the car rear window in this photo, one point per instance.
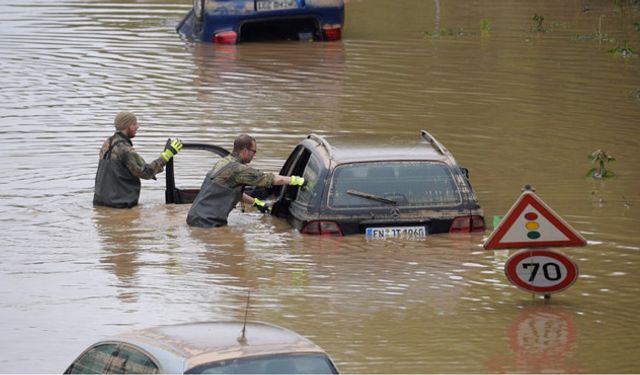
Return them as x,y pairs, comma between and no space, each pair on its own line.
275,364
405,183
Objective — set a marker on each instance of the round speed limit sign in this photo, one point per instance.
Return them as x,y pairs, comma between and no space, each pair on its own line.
541,271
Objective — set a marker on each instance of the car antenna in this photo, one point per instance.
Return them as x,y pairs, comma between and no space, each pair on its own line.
243,338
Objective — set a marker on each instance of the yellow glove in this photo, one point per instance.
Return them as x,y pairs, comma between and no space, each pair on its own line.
261,205
171,150
296,181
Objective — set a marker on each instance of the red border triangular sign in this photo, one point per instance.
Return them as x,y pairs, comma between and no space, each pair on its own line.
531,223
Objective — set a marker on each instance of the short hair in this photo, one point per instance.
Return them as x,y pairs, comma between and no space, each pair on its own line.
242,141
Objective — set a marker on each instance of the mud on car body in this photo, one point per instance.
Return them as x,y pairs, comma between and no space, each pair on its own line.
400,187
235,21
403,187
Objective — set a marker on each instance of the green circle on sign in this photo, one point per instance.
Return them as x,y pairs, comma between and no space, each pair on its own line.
533,235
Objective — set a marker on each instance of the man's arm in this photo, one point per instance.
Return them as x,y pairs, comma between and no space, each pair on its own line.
247,199
139,168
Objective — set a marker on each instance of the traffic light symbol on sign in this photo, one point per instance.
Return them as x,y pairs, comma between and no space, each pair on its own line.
532,225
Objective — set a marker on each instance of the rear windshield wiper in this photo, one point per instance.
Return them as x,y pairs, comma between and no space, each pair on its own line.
373,197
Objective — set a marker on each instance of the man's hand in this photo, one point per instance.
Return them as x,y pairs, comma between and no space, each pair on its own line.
261,205
296,181
171,149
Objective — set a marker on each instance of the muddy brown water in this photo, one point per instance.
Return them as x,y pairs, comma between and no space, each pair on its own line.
514,106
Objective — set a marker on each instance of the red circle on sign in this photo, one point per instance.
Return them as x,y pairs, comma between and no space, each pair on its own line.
510,268
531,216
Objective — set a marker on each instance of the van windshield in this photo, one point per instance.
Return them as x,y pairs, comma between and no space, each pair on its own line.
399,183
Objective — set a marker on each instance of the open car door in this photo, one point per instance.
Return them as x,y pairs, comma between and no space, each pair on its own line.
176,195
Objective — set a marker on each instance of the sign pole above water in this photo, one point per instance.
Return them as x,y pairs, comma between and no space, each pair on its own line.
531,223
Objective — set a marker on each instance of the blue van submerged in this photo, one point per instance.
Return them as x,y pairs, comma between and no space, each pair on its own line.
235,21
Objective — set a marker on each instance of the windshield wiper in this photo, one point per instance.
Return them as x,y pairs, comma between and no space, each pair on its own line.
373,197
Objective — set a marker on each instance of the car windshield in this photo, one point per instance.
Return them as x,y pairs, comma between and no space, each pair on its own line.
275,364
393,183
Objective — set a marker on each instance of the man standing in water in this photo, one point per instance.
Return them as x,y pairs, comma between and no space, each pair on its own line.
222,187
120,167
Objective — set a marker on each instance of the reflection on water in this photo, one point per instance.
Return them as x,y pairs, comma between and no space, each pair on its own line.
117,230
541,338
514,106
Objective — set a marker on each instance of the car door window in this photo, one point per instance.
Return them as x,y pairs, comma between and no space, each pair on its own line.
129,360
298,170
311,173
198,6
94,360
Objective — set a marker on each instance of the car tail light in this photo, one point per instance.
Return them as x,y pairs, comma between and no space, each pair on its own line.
322,228
226,37
332,32
465,224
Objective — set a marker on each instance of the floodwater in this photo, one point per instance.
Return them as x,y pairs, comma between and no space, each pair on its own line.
514,105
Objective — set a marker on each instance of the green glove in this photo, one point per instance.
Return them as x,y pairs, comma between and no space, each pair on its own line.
296,181
261,205
172,149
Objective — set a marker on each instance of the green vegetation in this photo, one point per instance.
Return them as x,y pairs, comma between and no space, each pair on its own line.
624,51
538,26
637,25
600,159
459,32
448,32
485,25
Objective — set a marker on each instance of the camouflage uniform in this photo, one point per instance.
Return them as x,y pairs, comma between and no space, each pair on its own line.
119,172
222,189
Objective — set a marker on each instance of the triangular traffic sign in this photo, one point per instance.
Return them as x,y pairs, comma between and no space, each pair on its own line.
531,223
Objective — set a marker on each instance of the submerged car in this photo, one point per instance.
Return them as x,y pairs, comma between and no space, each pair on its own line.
205,348
235,21
382,188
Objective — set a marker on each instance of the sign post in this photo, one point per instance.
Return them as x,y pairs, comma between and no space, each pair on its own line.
530,223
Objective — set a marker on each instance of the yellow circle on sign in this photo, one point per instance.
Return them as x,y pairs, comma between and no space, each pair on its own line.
532,225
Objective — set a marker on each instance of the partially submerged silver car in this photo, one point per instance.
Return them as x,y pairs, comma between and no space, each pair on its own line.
205,348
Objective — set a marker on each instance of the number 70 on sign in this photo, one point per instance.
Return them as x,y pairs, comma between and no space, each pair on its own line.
541,271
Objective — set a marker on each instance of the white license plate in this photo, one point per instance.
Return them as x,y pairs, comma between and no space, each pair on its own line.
396,232
275,4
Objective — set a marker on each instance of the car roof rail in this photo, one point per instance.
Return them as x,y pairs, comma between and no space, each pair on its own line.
322,141
434,142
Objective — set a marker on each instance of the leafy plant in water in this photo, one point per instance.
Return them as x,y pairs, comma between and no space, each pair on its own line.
624,51
485,25
448,32
600,159
537,23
